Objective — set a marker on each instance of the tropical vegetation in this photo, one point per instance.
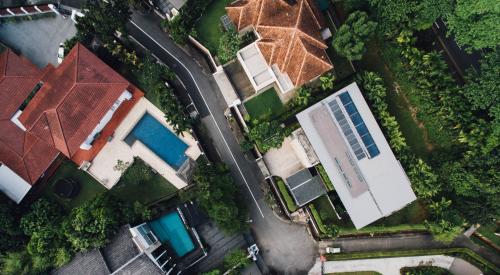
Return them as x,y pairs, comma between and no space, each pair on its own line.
229,44
350,39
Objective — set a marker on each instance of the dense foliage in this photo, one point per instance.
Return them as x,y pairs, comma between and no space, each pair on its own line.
229,44
53,236
101,20
217,194
183,24
350,39
237,259
424,270
11,236
174,110
267,134
475,23
396,15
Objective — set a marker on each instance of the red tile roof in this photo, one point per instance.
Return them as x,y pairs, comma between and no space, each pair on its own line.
73,99
290,35
25,153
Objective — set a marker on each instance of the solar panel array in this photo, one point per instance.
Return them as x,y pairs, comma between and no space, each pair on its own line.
359,124
346,129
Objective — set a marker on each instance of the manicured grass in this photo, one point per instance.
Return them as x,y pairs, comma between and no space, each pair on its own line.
89,187
209,26
139,183
324,176
488,231
290,203
264,106
317,218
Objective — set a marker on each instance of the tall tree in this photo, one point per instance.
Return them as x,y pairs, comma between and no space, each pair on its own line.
397,15
475,23
350,39
102,19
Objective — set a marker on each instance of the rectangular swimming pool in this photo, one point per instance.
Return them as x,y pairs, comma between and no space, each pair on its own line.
171,229
160,140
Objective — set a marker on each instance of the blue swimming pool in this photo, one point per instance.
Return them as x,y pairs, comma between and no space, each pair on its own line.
170,228
160,140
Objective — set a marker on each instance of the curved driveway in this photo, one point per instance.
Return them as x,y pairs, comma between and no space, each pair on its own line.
287,248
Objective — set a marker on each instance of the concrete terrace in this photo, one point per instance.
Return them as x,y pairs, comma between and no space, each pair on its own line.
117,149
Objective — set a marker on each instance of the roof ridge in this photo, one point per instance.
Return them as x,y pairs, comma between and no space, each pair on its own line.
58,124
312,12
326,63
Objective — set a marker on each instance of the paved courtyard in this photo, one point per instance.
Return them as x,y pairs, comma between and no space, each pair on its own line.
392,266
38,40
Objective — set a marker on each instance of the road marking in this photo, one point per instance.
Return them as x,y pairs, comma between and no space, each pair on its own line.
210,111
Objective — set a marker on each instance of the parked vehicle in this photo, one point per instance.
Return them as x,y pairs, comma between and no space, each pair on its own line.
332,250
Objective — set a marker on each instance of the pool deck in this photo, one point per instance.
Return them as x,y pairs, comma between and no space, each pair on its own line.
116,149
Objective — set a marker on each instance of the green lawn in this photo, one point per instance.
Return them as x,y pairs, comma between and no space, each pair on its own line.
89,187
208,28
290,203
264,106
139,183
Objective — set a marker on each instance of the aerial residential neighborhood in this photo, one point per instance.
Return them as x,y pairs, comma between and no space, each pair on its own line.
249,137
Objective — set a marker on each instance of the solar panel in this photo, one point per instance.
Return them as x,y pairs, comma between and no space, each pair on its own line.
358,122
346,129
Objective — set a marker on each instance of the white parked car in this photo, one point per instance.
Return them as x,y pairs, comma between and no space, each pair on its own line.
60,54
332,250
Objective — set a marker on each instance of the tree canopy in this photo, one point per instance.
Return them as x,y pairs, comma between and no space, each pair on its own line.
475,23
217,194
229,44
350,39
267,134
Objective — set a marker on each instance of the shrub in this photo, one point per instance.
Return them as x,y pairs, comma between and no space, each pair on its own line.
229,44
350,39
290,203
236,259
324,177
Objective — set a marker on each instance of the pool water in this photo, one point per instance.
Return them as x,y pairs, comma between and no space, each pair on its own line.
170,228
160,140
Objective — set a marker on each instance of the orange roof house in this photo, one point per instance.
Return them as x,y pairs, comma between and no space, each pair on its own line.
290,35
56,110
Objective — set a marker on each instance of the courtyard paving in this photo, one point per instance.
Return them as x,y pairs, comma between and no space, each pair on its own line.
39,39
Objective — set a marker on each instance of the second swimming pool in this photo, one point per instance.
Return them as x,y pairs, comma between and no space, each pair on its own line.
171,229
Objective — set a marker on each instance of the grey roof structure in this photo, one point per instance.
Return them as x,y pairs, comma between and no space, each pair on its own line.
121,249
366,175
88,263
140,266
305,187
121,256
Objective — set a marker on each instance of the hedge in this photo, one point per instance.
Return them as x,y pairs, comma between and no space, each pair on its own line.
317,218
324,177
464,253
290,203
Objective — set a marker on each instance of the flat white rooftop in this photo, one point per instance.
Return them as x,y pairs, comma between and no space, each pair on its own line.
351,146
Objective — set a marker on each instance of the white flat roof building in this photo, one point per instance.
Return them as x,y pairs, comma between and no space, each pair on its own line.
368,178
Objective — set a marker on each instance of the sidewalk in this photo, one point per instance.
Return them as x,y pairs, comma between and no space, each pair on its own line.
392,266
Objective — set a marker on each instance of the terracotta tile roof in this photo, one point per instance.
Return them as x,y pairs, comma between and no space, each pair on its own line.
72,100
290,35
25,153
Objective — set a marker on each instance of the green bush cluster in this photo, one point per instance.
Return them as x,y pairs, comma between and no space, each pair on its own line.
229,44
324,177
53,236
183,24
290,203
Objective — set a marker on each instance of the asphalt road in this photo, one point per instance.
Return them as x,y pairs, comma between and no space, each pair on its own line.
286,248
